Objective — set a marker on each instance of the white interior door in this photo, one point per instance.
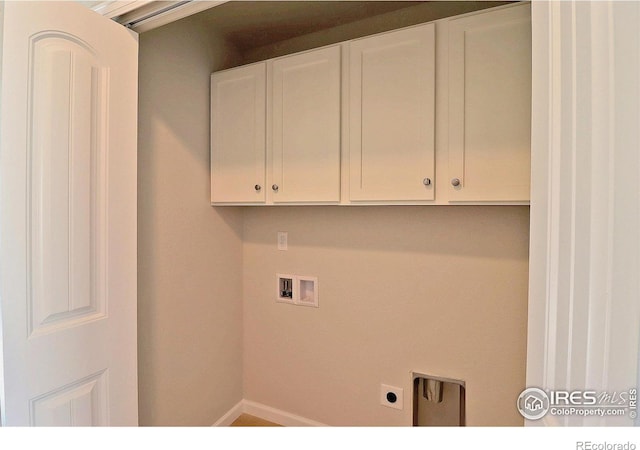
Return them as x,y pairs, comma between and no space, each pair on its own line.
68,217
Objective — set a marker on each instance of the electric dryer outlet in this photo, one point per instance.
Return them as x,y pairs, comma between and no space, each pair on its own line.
391,396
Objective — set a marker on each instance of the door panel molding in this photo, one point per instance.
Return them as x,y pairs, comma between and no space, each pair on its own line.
82,403
66,158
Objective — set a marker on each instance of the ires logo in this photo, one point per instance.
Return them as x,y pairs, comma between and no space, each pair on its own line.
534,403
591,398
573,398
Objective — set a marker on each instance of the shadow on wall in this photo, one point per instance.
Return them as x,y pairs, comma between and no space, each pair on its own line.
176,62
189,254
473,231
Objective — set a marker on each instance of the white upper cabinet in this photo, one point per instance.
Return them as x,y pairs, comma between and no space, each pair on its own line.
238,105
367,122
392,116
489,120
305,127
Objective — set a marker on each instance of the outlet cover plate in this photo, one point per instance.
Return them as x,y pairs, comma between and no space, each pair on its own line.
283,238
385,389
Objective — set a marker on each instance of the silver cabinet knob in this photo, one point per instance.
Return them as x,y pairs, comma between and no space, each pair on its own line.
257,187
426,181
275,187
455,182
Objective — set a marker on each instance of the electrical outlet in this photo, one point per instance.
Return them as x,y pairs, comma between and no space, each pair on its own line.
282,240
391,396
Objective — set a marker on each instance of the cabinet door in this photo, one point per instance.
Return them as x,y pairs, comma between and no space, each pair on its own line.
305,126
238,109
391,126
490,106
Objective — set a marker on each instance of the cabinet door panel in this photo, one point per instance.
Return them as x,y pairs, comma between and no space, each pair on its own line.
391,100
306,127
490,105
238,142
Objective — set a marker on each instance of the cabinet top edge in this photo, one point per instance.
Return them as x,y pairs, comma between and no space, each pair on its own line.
437,22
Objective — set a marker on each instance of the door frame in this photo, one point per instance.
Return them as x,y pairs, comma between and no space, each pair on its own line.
554,326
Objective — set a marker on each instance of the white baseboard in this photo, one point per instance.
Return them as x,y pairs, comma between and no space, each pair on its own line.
278,416
230,416
266,413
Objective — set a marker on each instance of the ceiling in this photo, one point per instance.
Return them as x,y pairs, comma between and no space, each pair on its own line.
251,24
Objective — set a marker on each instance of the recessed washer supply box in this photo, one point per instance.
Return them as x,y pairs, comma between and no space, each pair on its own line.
297,290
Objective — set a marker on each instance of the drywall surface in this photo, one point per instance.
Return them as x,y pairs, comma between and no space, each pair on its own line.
441,290
190,254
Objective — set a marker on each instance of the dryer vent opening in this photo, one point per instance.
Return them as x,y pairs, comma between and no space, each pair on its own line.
438,402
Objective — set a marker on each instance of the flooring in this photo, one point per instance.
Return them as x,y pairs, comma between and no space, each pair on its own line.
246,420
